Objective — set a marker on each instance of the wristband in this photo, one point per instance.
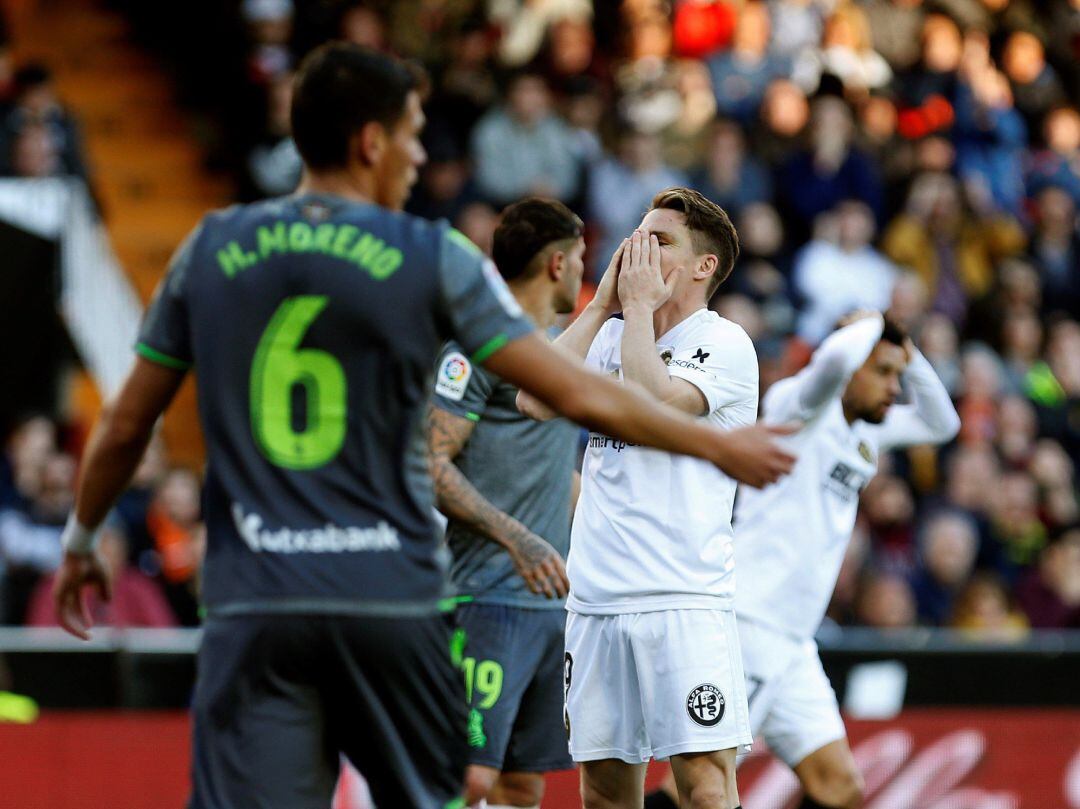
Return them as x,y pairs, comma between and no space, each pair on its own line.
77,538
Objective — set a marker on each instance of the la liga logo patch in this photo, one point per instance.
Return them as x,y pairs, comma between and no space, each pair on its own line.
705,705
453,376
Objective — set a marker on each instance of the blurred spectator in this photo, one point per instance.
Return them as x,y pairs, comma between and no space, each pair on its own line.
174,520
983,383
30,445
895,26
730,177
527,135
360,22
984,612
890,513
989,135
269,27
38,131
445,187
583,110
846,52
686,138
838,275
30,538
940,345
1021,347
741,74
135,600
1017,532
1055,249
934,77
621,188
831,169
1050,594
273,163
465,89
1055,387
948,547
952,248
796,26
1016,432
525,24
784,114
1059,163
1035,85
908,304
763,270
478,221
885,602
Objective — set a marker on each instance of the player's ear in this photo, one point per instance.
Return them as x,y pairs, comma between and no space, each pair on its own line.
368,144
706,267
556,265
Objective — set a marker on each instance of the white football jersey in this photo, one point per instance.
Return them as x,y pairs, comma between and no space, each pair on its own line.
791,536
652,530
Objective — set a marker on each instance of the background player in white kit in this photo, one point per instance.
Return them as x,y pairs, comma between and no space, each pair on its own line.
652,666
792,537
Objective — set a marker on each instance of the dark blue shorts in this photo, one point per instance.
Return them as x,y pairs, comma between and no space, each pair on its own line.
280,697
513,667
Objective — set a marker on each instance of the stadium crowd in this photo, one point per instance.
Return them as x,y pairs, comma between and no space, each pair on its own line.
916,157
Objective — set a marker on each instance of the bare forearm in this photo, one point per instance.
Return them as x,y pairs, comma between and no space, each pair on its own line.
631,414
640,361
114,451
579,335
459,500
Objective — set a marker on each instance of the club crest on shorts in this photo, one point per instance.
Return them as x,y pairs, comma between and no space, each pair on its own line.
666,356
705,705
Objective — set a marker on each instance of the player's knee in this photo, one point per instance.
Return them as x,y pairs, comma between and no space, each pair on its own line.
599,794
714,795
478,783
839,787
518,789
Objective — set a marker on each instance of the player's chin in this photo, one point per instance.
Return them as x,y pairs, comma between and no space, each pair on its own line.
878,415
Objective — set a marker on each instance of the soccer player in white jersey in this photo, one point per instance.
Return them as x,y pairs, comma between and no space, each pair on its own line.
652,666
792,537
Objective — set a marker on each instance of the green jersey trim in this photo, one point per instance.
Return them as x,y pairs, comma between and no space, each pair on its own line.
490,347
152,354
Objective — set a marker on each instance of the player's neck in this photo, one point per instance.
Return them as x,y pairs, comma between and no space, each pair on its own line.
536,300
353,187
849,413
674,312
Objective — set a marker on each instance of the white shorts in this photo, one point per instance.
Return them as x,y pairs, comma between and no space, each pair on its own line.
792,704
654,684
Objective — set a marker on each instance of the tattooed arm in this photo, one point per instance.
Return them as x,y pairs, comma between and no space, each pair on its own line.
535,560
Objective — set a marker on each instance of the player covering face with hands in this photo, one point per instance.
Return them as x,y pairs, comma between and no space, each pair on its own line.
652,665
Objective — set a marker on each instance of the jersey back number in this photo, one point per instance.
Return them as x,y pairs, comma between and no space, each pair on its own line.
279,369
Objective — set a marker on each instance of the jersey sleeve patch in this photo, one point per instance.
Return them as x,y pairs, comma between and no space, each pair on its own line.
453,376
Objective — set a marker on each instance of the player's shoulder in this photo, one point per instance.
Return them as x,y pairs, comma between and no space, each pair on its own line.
708,325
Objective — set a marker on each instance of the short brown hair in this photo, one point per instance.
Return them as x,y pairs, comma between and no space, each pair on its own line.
710,229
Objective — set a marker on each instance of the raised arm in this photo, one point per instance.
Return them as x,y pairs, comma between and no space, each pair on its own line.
535,560
840,355
576,340
626,412
930,418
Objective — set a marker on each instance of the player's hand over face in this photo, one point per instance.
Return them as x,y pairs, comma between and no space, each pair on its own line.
539,564
641,283
76,572
607,293
752,456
